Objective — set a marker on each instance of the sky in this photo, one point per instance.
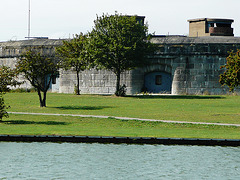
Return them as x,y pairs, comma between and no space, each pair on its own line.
63,18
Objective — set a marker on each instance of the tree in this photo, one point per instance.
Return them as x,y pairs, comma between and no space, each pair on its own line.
39,70
3,108
73,54
6,79
231,76
119,43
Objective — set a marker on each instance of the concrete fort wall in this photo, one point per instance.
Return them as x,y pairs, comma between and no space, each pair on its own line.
182,65
198,74
10,62
10,52
93,81
190,74
196,62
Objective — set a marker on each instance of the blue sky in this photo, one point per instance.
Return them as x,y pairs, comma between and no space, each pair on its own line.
63,18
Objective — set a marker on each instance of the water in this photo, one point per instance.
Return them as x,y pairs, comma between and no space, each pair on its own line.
30,161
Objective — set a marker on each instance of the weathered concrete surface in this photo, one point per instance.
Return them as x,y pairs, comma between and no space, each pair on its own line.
10,52
192,62
195,62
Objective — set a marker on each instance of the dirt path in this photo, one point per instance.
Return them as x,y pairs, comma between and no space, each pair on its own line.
127,118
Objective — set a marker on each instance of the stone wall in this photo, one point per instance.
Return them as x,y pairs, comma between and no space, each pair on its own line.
198,75
93,81
196,62
11,51
10,62
192,63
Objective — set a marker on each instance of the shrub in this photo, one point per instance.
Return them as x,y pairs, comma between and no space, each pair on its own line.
3,107
122,91
22,90
76,90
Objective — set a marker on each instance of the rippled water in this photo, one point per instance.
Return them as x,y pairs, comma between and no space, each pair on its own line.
110,161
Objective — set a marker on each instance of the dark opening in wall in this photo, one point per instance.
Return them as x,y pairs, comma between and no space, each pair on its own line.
158,80
54,78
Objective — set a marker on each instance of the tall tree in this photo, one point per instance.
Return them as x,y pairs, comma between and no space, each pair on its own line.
231,76
119,43
39,70
6,79
73,54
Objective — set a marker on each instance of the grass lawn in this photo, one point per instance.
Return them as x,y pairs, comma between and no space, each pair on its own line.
222,109
62,125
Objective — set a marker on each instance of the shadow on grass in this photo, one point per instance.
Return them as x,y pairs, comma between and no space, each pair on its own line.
21,122
176,97
82,107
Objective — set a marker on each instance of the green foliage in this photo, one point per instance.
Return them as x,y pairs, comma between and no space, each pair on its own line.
3,108
22,90
119,43
76,90
73,54
39,70
122,91
231,77
7,78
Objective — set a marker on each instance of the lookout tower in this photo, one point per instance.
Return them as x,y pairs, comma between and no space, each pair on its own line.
210,27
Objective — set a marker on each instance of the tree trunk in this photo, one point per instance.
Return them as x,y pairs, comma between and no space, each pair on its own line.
44,98
78,86
40,98
118,84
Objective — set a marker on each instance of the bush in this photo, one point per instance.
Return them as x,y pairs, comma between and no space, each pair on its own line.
122,91
22,90
3,107
76,90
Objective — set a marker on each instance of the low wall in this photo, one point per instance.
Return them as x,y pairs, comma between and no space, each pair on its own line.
117,140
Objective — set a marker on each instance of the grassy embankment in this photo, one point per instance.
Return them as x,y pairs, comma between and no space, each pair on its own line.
216,109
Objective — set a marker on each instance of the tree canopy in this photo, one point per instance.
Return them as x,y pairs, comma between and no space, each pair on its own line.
119,43
6,79
73,54
3,108
231,76
39,70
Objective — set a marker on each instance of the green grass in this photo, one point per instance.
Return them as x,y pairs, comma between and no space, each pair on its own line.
216,109
62,125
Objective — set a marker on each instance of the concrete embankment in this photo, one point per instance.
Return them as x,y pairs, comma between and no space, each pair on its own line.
117,140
